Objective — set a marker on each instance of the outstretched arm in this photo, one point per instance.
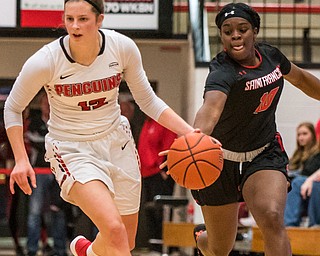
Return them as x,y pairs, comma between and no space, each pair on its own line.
209,113
305,81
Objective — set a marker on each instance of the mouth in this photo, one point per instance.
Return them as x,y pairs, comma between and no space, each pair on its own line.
76,35
237,47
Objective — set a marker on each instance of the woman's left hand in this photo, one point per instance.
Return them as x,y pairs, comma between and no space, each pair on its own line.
306,188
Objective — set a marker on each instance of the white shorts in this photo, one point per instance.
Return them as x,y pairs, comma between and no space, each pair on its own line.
112,159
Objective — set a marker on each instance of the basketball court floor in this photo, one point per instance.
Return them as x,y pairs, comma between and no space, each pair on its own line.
7,249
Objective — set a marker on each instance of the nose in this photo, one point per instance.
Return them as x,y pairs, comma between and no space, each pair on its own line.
236,35
75,24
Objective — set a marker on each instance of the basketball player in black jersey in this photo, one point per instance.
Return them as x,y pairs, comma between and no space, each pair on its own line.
241,95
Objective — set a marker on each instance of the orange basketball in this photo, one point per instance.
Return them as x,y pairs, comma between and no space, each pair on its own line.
195,161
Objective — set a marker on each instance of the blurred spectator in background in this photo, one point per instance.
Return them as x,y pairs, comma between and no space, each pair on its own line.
318,129
153,139
3,157
303,163
310,191
45,203
306,146
10,204
127,108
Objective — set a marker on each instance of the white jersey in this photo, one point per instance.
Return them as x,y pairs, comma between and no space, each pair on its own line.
83,99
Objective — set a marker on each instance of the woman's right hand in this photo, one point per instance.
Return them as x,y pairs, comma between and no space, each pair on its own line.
20,174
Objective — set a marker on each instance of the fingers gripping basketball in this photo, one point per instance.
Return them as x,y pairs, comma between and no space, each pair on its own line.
195,161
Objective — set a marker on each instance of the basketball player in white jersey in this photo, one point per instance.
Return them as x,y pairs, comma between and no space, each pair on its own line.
89,144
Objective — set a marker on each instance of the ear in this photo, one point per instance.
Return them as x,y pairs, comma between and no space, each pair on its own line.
255,33
100,20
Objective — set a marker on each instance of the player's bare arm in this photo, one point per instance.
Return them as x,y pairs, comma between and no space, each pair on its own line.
305,81
174,122
22,169
209,113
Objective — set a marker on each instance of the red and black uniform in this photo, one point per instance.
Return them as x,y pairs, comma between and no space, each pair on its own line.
248,119
247,122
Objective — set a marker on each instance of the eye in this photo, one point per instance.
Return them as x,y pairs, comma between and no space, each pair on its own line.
244,29
227,32
69,19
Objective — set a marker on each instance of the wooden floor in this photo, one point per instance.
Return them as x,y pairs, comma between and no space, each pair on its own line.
7,249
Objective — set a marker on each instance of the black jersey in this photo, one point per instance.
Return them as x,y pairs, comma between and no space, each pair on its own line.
311,165
248,119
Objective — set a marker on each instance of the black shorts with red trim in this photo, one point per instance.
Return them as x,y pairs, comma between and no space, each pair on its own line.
227,188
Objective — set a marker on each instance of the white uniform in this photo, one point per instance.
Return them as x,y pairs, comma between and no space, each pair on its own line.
84,109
